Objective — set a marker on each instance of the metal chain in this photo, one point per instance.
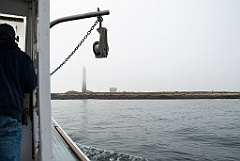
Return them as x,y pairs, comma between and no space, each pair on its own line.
76,48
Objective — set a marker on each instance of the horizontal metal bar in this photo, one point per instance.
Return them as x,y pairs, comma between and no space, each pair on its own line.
79,16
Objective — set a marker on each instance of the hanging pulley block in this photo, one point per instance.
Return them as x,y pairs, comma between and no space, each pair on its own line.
100,48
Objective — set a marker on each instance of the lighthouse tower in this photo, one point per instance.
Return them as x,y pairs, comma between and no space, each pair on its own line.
84,88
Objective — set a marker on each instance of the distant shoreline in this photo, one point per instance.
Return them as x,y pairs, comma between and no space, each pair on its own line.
144,95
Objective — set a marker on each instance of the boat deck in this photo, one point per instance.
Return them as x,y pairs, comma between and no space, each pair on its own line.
61,151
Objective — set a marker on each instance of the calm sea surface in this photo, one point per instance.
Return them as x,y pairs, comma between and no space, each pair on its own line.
154,130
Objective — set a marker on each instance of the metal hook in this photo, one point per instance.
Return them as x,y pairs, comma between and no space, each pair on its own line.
100,19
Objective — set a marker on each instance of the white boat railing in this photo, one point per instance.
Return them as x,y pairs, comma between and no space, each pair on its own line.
75,149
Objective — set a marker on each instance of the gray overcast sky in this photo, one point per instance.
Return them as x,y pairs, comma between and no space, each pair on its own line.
155,45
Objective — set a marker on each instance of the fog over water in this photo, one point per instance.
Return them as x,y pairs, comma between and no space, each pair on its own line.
155,45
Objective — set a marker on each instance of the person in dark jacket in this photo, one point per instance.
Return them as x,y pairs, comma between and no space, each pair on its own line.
17,76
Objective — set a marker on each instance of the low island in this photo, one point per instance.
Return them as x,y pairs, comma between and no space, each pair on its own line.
73,95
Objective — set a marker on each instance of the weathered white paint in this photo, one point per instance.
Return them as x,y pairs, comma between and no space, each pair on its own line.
44,80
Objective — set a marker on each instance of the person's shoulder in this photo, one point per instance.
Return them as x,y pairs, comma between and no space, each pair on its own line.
22,53
19,52
22,56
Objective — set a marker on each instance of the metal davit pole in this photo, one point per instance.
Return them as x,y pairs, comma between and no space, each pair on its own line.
79,16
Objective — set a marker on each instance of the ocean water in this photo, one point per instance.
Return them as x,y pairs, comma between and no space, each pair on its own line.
153,130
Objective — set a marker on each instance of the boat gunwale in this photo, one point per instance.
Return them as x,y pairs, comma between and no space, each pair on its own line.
75,149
